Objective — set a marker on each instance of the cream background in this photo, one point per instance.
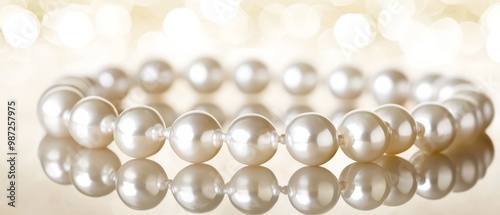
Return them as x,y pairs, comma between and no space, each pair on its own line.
26,73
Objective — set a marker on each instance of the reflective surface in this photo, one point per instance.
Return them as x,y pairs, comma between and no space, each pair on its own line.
142,184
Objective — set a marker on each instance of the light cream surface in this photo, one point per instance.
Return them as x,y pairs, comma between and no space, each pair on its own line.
26,73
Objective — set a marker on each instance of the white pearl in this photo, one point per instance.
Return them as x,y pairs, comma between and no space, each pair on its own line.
450,86
252,139
313,190
193,137
55,156
54,107
113,84
299,79
251,77
402,127
339,114
464,113
425,89
205,75
90,122
198,188
141,184
365,137
438,127
390,87
467,166
346,83
437,174
485,105
156,76
365,186
137,132
403,180
311,139
253,190
92,171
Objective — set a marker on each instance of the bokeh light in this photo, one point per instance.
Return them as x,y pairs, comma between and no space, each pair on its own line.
113,21
181,24
75,29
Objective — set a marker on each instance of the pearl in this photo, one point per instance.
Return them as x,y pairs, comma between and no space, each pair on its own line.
467,167
211,109
425,89
346,83
450,86
311,139
55,155
141,184
166,112
92,171
403,180
436,174
193,137
252,139
438,127
390,87
253,190
205,75
113,84
83,84
90,122
255,108
339,114
402,126
313,190
365,137
365,186
251,76
464,113
198,188
485,105
293,111
138,132
299,79
156,76
54,107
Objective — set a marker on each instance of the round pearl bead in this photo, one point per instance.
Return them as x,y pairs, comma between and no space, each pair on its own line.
251,77
198,188
311,139
138,132
194,137
299,79
438,127
156,76
55,155
465,115
141,184
437,174
346,83
450,86
313,190
54,108
90,122
390,87
485,105
253,190
92,171
252,139
403,180
402,126
365,186
205,75
425,89
113,84
365,137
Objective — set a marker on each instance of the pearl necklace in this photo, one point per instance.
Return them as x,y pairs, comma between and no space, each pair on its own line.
142,184
310,138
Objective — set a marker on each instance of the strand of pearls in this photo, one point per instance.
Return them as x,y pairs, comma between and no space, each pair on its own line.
391,180
310,138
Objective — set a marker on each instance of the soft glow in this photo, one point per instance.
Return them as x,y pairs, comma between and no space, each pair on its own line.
293,77
354,31
75,29
113,21
493,46
394,18
198,73
181,24
20,27
301,21
219,11
474,37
